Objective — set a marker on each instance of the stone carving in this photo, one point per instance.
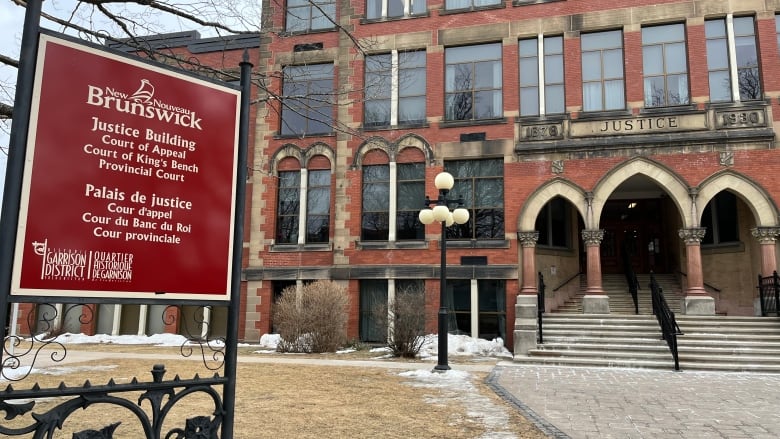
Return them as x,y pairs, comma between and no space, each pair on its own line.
693,235
593,237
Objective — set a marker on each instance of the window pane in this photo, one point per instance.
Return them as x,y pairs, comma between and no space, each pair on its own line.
554,99
614,95
529,72
652,60
678,90
307,102
717,54
602,40
373,297
395,8
676,58
373,9
591,66
553,69
418,6
654,92
720,86
592,98
715,28
411,110
613,64
529,101
458,106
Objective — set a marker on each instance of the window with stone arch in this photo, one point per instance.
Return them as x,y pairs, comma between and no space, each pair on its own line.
304,201
393,193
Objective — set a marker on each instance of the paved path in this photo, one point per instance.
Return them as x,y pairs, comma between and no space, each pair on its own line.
633,403
599,403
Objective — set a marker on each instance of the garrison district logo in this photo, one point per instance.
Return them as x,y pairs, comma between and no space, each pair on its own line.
80,265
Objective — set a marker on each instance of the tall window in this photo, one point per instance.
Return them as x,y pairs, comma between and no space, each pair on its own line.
288,207
395,89
473,82
310,15
777,29
732,70
303,203
553,224
665,65
602,71
376,9
547,70
469,4
318,206
720,219
376,203
373,298
308,100
482,308
481,183
411,192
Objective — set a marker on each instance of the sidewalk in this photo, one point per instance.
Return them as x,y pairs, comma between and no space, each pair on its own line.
590,403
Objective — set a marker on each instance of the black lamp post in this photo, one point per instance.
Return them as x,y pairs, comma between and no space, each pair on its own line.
441,213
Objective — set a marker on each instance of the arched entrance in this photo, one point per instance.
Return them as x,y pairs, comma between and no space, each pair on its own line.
636,220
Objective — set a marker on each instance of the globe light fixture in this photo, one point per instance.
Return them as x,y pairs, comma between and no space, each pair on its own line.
441,213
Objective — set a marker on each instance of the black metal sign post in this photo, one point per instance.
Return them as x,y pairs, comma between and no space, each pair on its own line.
160,395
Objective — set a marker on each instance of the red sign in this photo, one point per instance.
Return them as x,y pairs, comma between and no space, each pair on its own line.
129,184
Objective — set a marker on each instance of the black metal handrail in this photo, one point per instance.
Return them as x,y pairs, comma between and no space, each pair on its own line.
540,306
567,280
669,327
632,281
769,294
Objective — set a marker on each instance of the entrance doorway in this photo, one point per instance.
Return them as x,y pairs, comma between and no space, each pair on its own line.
633,228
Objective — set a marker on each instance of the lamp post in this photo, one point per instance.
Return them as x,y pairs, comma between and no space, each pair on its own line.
441,213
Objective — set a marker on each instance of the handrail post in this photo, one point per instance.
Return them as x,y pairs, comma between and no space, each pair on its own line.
540,306
776,285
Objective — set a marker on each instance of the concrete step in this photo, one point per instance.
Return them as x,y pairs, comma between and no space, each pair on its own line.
715,343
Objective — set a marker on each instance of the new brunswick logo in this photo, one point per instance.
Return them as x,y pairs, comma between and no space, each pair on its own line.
145,92
81,265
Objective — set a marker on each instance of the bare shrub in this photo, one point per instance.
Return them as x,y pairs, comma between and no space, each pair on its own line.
314,319
406,335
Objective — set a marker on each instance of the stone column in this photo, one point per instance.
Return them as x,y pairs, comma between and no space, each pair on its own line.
528,243
526,305
696,301
595,300
766,237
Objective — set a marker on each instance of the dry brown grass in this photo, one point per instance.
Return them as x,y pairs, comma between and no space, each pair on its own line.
294,401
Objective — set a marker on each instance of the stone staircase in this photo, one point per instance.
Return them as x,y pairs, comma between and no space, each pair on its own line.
623,339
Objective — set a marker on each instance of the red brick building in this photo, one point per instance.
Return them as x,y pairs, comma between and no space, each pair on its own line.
577,131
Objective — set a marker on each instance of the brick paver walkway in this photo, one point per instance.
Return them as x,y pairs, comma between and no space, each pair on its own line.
590,403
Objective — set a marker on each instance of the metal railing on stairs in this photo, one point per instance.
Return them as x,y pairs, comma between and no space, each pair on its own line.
669,327
540,307
632,281
769,294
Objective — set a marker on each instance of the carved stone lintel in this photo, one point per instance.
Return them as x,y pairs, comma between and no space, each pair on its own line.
693,235
593,237
528,239
765,235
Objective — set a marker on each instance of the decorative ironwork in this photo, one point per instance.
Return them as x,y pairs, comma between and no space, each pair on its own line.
20,354
161,395
198,334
